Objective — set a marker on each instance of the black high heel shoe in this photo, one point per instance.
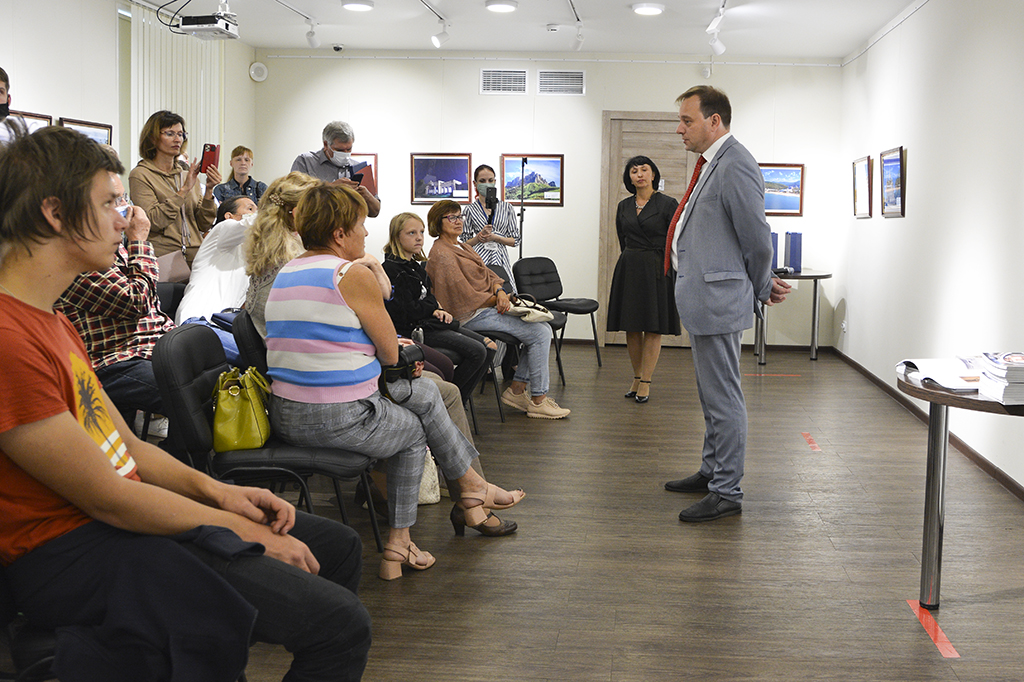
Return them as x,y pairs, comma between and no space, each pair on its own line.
643,398
632,393
458,518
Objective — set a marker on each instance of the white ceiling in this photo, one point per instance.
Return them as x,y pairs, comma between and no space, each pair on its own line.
773,29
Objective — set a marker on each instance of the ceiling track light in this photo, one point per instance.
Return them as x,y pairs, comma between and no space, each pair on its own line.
713,26
441,38
311,38
579,37
357,5
648,9
717,46
501,5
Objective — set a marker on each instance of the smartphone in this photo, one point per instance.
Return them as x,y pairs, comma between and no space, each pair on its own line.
357,178
211,156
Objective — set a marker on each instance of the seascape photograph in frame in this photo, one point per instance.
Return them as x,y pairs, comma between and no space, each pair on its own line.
441,176
783,188
101,132
367,165
862,187
894,176
32,121
541,178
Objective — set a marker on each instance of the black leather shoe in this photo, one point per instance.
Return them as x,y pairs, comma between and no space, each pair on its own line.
712,507
698,483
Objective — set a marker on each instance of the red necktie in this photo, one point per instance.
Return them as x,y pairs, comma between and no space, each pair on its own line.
679,212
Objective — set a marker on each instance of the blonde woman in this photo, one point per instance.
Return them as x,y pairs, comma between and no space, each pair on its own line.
272,241
167,189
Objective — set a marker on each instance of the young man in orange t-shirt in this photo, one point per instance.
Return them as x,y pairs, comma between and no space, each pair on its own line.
143,565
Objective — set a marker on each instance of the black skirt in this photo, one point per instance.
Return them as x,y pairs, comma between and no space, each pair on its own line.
642,298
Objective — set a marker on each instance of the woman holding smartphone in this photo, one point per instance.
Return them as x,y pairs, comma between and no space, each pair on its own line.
490,230
167,188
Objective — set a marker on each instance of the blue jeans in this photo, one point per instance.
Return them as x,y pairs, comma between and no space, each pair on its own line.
132,386
535,336
154,603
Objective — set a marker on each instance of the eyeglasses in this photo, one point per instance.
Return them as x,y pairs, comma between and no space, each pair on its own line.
454,218
174,135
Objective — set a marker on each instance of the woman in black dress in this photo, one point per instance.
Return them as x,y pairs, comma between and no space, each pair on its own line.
642,302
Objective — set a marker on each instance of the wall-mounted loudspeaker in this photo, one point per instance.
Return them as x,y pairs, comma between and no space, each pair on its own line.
258,71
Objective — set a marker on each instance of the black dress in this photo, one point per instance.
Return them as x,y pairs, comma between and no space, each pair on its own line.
642,298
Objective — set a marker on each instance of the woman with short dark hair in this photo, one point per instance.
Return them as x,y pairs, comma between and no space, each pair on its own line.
167,188
642,301
327,336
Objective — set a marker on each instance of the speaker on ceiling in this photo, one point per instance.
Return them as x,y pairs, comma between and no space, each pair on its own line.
258,71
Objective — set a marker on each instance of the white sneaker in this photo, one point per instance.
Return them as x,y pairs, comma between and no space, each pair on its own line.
520,401
548,409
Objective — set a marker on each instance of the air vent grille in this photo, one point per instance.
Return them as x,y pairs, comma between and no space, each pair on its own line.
561,83
503,81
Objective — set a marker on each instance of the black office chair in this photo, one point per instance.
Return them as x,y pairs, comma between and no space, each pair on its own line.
187,362
538,276
558,323
30,648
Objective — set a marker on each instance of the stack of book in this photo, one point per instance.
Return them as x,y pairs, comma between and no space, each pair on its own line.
1002,377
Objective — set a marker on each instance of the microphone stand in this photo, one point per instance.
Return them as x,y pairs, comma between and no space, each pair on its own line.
522,203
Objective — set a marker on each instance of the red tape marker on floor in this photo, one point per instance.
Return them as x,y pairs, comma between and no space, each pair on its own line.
810,441
933,629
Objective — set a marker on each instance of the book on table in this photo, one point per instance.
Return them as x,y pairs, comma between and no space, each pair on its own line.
959,375
1009,366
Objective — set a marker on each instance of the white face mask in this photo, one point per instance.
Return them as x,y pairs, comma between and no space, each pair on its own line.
341,159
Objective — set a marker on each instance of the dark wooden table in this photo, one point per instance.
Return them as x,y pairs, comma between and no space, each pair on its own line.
761,323
940,400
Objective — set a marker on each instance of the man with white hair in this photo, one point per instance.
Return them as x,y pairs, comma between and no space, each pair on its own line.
333,163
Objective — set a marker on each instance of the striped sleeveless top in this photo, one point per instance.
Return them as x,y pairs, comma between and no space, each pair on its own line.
317,351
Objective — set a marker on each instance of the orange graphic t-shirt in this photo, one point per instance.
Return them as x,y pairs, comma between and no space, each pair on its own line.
44,371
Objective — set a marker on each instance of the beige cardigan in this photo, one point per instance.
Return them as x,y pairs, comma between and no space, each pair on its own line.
156,192
462,282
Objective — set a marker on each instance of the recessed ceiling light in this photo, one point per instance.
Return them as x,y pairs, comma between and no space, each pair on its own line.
648,8
358,5
502,5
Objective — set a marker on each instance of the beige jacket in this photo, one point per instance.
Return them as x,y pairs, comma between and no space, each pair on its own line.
156,191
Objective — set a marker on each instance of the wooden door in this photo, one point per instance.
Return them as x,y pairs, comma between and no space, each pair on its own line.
625,135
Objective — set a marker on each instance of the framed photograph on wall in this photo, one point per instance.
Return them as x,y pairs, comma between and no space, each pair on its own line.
783,188
33,121
441,176
894,175
539,177
862,187
101,132
367,165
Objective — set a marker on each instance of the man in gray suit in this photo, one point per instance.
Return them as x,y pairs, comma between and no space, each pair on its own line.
720,246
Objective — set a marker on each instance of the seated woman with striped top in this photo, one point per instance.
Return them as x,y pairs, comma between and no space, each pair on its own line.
327,335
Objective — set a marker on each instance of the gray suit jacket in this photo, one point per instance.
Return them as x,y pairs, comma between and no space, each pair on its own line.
724,247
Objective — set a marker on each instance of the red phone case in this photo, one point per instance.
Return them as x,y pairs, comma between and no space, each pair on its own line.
211,156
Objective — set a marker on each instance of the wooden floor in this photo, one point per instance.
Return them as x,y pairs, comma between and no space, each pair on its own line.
602,582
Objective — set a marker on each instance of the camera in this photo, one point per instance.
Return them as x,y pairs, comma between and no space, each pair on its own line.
338,47
405,368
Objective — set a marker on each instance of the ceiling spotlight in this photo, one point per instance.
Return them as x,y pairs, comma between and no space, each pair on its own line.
501,5
311,38
717,46
649,9
442,37
357,5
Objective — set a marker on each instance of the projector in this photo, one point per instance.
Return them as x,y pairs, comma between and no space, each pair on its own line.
210,27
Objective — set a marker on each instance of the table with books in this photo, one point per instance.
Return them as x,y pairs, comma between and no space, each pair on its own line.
945,383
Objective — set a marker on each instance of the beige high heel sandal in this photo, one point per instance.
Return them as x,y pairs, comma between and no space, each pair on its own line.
478,514
390,569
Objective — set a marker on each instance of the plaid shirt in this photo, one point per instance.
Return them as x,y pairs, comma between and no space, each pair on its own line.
117,311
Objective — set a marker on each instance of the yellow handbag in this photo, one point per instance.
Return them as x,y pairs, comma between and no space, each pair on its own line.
240,420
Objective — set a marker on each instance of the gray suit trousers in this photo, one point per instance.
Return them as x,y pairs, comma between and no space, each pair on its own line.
716,362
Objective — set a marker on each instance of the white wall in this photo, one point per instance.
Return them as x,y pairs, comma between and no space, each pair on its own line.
399,103
946,279
61,56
